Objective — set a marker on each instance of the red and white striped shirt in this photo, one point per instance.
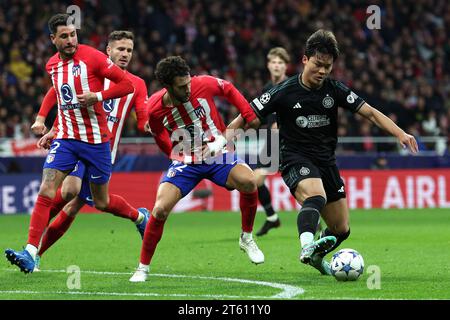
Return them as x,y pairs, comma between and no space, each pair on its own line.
118,110
84,72
199,112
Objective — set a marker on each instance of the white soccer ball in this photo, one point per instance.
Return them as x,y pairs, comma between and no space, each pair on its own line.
347,265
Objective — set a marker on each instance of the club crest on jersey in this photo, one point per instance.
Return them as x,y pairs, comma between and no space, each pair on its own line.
200,112
66,93
265,98
50,158
108,105
328,102
76,70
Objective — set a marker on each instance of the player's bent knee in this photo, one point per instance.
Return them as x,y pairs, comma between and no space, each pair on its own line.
247,184
47,190
68,194
100,205
160,213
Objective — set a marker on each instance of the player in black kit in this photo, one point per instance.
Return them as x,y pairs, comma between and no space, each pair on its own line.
306,107
277,62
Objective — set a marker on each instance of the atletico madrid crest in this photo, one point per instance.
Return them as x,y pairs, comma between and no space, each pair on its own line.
76,70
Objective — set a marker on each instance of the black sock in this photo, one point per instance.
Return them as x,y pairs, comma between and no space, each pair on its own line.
339,238
309,215
266,200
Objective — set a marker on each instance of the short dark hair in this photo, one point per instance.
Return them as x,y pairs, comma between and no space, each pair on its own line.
59,19
322,41
119,35
169,68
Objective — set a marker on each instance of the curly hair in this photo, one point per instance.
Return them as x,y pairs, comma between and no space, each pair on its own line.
169,68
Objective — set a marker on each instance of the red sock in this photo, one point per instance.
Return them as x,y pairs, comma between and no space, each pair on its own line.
39,220
57,205
248,203
57,228
118,206
152,235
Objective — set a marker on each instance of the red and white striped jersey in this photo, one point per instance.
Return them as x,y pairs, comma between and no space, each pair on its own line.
200,112
118,110
84,72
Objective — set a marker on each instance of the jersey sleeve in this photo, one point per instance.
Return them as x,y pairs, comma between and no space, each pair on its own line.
140,105
105,68
160,133
346,98
227,90
48,102
265,104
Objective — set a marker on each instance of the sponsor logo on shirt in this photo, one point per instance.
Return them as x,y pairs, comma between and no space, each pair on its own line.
108,105
66,93
312,121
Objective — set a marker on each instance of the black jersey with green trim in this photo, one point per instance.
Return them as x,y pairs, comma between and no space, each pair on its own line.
307,118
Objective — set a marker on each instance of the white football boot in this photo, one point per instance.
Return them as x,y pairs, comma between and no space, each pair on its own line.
249,246
140,275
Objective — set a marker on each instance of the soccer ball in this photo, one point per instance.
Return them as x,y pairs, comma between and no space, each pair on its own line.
347,265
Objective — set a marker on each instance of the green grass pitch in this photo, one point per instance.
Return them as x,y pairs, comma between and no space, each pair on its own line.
199,258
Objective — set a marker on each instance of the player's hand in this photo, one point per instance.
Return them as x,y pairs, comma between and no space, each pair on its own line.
87,99
211,149
45,141
38,127
408,141
147,128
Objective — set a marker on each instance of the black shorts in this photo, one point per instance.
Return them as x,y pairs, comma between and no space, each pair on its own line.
304,169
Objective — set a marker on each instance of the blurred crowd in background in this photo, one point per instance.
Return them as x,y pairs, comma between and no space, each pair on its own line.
403,69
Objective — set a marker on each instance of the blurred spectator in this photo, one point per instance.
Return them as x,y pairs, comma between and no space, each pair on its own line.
403,69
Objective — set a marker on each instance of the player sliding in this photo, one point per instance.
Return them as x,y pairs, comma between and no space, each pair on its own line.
306,106
186,105
78,73
76,184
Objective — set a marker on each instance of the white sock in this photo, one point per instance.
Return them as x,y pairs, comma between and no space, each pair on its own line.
272,218
247,236
32,250
143,266
140,218
306,238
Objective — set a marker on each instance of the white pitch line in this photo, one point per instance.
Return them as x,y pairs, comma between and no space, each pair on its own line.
136,294
288,291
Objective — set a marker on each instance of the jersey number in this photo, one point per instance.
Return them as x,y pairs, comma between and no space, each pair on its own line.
57,144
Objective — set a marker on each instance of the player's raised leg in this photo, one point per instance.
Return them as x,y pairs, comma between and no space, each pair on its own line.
242,178
166,198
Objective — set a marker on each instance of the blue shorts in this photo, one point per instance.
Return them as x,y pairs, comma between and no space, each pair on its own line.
85,193
187,176
64,155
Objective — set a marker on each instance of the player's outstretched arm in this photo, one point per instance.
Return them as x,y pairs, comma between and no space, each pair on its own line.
49,101
383,122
